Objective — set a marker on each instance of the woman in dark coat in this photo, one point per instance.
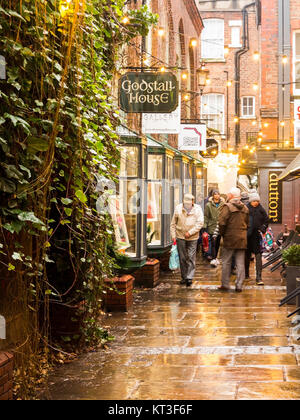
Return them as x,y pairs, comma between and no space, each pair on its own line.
259,222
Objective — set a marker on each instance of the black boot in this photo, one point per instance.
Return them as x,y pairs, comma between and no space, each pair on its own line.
258,259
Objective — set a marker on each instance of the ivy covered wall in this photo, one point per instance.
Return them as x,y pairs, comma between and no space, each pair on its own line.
57,138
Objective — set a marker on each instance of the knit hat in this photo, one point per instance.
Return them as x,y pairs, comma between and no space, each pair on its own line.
254,197
215,192
236,192
244,195
188,198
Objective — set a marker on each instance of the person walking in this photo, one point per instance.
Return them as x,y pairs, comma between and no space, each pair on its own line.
259,222
233,226
185,227
211,217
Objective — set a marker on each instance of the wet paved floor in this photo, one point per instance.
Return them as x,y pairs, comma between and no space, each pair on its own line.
194,343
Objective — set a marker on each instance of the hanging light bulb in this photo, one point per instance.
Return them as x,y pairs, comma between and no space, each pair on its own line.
162,69
146,61
125,20
226,50
184,76
255,86
161,32
194,42
282,123
256,55
254,122
266,124
208,81
229,83
186,97
236,119
284,59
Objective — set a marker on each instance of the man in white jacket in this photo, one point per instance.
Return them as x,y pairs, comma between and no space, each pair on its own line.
185,227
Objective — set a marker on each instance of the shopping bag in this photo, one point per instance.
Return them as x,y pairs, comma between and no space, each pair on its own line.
205,242
267,240
174,263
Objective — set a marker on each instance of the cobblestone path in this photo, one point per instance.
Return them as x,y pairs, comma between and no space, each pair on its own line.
193,343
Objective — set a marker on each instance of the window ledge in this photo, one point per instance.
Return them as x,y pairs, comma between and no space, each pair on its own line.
248,117
214,60
235,46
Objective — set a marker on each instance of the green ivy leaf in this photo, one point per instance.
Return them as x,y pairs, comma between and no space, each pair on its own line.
81,196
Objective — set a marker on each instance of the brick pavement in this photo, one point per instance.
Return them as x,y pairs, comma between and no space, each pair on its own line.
192,343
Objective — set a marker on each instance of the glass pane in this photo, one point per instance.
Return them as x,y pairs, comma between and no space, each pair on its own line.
297,40
297,74
177,195
235,36
123,210
129,161
170,168
177,170
154,215
155,166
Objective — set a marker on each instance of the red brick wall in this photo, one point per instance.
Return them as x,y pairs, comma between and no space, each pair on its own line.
249,72
6,376
269,67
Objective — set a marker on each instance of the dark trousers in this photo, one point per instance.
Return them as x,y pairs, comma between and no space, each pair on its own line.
258,264
187,251
215,246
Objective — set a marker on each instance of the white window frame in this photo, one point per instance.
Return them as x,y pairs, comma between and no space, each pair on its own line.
295,61
208,53
242,107
235,24
213,111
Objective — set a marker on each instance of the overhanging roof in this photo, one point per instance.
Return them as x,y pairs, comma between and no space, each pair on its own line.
292,171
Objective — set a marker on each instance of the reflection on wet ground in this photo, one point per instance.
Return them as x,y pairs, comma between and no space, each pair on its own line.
195,343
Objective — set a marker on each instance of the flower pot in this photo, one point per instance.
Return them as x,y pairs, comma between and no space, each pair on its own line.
292,272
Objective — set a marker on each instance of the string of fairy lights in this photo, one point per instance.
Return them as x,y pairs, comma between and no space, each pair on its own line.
66,7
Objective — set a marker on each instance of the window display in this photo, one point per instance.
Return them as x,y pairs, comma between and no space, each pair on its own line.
129,161
154,215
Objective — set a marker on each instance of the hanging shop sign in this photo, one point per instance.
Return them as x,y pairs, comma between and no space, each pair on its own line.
162,123
148,93
275,197
192,137
297,123
212,149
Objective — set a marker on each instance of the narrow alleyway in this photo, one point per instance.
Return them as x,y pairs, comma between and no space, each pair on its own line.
192,343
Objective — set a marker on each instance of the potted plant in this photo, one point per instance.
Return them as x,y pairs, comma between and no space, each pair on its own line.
291,258
119,289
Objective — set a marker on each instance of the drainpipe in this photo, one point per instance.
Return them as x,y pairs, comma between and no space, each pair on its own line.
284,47
237,61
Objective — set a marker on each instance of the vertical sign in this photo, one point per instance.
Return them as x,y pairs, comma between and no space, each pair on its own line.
275,197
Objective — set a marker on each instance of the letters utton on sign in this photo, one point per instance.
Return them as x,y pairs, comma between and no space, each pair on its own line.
275,198
148,93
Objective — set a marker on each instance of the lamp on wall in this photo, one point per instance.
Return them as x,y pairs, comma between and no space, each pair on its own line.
202,77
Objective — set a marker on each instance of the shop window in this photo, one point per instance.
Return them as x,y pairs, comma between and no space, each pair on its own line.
129,161
212,39
297,62
123,210
154,214
212,110
248,106
155,167
235,27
